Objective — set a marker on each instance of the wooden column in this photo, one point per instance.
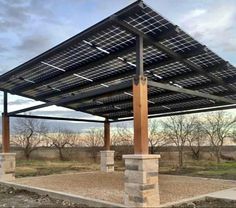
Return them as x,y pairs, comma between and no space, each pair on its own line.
140,112
140,103
5,127
107,135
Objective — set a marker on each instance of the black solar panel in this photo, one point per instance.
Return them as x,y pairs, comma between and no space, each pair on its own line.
104,55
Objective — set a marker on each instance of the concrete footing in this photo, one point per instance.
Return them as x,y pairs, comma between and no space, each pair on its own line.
141,181
7,166
107,160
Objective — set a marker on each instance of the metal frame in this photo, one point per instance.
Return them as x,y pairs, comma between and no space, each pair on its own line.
84,96
141,40
131,77
57,118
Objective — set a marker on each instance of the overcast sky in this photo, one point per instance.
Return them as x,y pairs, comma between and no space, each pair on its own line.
29,27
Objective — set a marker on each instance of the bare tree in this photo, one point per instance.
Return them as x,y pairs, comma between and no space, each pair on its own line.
122,135
177,130
156,137
62,138
196,139
94,139
218,127
29,134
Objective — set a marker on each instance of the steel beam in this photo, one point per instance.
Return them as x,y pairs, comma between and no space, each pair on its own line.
57,118
71,70
139,56
28,109
183,112
191,92
175,79
173,54
82,96
102,80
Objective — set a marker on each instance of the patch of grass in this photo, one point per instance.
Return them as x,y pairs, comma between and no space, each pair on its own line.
223,170
26,168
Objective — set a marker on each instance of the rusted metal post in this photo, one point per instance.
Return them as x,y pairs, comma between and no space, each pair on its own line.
107,141
5,127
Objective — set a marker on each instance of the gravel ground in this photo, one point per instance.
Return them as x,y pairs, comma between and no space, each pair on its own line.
110,186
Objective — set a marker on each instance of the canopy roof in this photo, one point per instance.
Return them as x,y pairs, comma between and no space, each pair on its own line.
92,71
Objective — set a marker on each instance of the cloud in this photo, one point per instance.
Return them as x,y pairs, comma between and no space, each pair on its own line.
214,26
34,43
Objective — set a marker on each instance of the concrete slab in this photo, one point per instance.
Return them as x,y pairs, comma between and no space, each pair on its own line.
229,194
110,186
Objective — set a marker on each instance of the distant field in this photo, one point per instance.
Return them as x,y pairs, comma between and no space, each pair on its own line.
24,168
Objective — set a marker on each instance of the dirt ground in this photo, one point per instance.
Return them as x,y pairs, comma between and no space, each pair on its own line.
10,197
110,186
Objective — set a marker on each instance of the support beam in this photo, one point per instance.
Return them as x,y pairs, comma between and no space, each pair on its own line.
57,118
139,56
140,111
140,103
175,78
185,112
82,96
172,54
191,92
107,142
28,109
5,126
129,72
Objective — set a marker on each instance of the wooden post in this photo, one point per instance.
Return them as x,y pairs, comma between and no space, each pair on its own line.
140,103
140,111
107,135
5,127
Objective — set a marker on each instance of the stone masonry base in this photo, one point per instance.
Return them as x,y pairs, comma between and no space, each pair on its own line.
7,166
141,181
107,161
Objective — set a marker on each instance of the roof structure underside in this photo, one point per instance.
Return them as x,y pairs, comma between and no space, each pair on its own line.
104,56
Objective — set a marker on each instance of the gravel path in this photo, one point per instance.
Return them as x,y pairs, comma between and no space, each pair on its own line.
110,186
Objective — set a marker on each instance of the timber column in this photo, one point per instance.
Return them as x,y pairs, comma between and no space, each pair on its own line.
7,159
107,155
141,169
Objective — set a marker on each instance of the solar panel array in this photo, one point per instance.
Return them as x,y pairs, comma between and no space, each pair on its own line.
104,55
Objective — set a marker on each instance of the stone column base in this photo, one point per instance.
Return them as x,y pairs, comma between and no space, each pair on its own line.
141,181
7,166
107,160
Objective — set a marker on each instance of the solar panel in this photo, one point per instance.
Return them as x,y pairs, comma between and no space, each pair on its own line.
104,55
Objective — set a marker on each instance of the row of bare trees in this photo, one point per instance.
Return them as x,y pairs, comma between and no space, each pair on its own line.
180,131
195,132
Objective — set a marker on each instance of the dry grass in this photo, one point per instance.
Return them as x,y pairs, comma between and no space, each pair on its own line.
25,168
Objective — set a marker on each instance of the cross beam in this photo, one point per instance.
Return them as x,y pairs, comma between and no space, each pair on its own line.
191,92
185,112
82,96
171,53
57,118
176,78
129,72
